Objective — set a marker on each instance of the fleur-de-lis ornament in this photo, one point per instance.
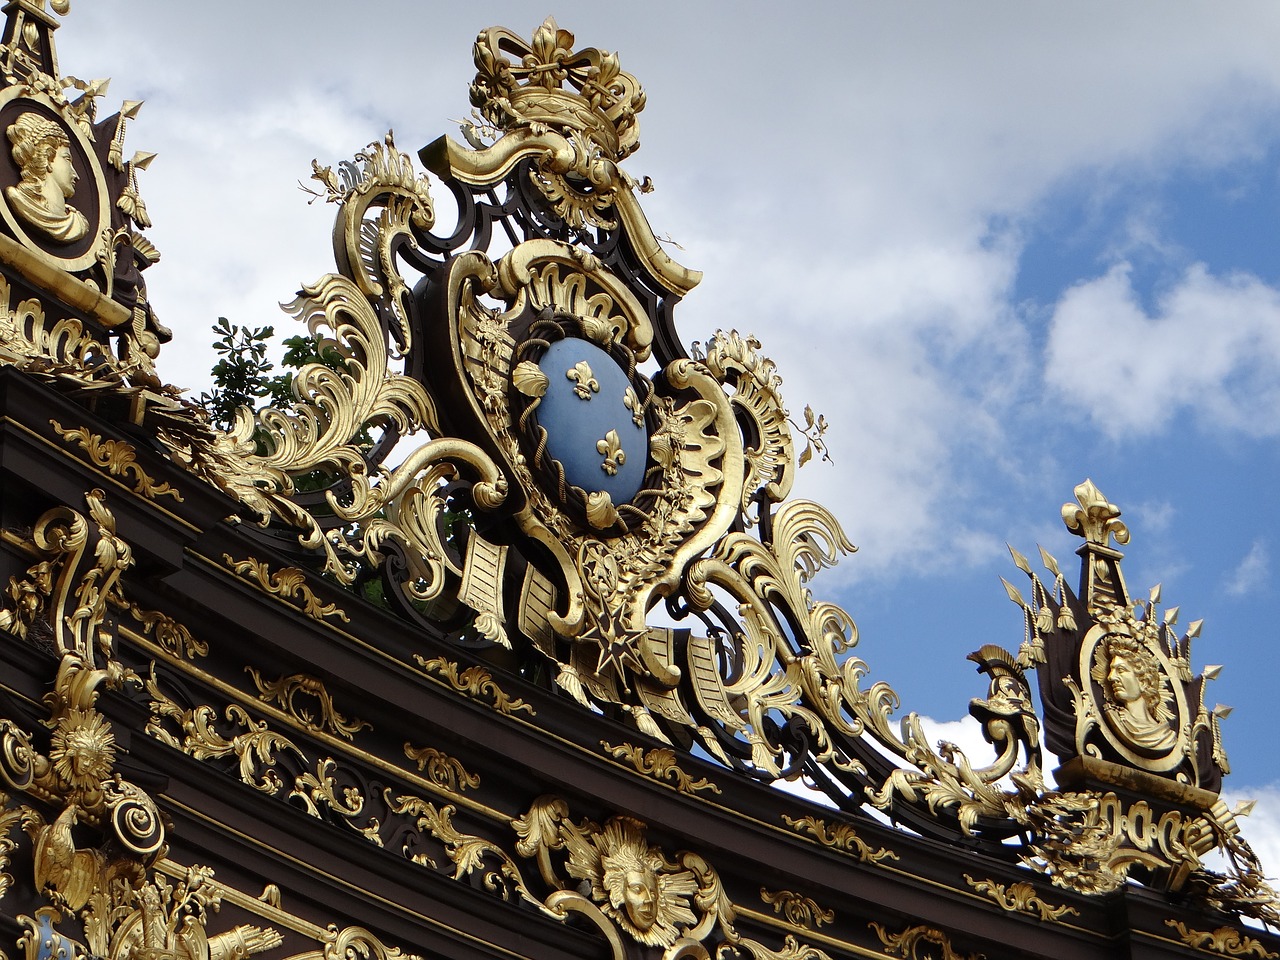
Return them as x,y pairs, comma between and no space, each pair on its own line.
614,456
584,380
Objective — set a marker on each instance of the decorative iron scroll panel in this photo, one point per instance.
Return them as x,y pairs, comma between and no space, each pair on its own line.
582,470
513,450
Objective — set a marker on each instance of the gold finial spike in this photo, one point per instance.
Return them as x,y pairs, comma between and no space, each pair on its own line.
1212,671
1244,808
1020,561
1095,519
1171,615
1222,711
1050,562
1193,629
142,159
1155,593
129,109
1014,595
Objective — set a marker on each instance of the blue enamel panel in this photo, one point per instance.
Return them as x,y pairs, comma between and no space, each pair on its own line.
575,423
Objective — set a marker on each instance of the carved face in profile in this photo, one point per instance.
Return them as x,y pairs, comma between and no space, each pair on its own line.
42,152
1135,692
640,896
61,171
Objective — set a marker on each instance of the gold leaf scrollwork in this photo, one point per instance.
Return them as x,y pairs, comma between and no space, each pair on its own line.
315,789
31,342
169,633
119,458
1019,898
468,853
283,690
799,911
69,589
288,583
908,943
1225,941
659,763
441,769
352,942
254,748
792,949
475,682
840,836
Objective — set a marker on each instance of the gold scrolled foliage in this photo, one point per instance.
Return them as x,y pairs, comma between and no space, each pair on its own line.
267,760
659,763
910,941
347,942
944,778
1224,941
799,910
283,690
319,794
172,636
30,341
195,732
1088,842
68,590
474,681
103,827
467,852
380,199
1019,898
839,836
289,583
388,195
735,361
441,769
12,816
119,457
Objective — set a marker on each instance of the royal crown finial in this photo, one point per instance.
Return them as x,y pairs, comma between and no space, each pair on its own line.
546,83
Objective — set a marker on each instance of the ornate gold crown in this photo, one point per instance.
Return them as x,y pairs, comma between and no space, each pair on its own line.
548,83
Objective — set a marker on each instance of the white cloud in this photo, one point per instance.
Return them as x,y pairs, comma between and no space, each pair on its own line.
1211,350
1252,571
841,204
1262,827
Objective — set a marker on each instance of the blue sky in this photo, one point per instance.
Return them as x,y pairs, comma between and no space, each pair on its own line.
1002,247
